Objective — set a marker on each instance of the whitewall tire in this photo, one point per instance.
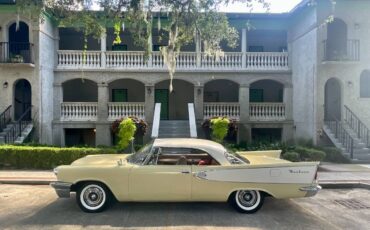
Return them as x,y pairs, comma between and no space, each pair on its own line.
247,201
93,197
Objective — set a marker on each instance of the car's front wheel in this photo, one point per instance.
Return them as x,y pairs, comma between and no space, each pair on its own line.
247,201
93,197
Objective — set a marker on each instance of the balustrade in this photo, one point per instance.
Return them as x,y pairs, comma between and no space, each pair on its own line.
267,111
70,59
118,110
79,59
225,109
79,111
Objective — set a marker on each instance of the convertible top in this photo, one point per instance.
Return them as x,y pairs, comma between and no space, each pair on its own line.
214,149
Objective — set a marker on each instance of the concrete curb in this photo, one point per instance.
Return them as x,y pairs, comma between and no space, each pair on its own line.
344,185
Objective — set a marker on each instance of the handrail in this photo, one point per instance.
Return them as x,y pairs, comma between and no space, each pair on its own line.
341,134
18,127
192,123
5,118
156,120
362,131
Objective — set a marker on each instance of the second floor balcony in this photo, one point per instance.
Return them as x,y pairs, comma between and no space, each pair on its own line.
72,59
16,52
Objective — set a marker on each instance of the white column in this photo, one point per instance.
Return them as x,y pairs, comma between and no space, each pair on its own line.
288,100
244,103
244,132
56,44
244,48
149,103
198,49
198,101
58,100
150,47
103,49
103,133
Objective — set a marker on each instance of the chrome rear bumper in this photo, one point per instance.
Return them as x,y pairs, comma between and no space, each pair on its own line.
311,190
62,189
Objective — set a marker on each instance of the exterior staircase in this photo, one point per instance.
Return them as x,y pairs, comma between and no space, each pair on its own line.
351,136
174,129
14,132
10,135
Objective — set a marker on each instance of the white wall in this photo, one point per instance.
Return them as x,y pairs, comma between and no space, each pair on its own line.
302,41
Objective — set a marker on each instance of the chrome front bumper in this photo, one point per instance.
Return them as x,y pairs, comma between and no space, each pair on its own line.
311,190
62,189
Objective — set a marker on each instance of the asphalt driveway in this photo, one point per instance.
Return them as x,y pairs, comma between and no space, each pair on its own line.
37,207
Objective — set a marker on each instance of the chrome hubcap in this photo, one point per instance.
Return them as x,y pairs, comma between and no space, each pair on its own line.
93,196
247,198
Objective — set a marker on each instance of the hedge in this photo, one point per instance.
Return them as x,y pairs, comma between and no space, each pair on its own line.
29,157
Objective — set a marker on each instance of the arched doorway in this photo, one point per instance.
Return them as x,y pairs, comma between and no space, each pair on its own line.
22,99
174,105
80,90
266,91
19,44
333,100
336,46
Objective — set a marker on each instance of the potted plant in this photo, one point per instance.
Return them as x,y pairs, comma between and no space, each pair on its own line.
16,58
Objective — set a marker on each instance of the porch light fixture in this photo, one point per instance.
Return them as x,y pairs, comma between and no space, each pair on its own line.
5,85
199,91
149,90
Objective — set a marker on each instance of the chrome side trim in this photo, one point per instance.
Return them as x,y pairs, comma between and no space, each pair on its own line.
62,189
311,190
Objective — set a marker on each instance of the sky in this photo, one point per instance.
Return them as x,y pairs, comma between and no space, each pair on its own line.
277,6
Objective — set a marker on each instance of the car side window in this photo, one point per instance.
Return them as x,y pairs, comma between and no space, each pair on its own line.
181,156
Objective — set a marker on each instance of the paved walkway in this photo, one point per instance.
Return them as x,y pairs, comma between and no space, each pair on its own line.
328,173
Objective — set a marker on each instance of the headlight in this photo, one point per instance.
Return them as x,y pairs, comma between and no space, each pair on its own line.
55,170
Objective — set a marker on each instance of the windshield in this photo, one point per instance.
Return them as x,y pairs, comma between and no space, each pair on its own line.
234,158
141,155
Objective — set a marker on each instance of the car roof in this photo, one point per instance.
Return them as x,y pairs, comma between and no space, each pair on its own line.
214,149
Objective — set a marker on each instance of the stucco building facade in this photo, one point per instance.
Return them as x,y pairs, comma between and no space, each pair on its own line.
288,74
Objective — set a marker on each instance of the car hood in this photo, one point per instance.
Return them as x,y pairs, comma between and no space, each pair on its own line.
104,159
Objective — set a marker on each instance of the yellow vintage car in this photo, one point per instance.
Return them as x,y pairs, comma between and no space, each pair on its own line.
184,169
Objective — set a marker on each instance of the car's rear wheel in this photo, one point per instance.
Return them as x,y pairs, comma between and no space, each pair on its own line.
93,197
247,201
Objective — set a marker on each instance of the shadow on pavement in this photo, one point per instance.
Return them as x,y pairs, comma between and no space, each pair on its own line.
275,214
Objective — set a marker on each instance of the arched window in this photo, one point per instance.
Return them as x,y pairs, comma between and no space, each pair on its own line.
336,46
365,84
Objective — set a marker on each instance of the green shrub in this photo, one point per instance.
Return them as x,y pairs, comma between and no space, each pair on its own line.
291,156
220,127
127,129
309,154
334,155
28,157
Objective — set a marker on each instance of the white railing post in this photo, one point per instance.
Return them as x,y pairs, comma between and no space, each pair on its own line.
79,111
103,49
192,123
156,120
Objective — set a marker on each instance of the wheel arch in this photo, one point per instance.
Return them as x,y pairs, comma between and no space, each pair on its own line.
75,186
263,192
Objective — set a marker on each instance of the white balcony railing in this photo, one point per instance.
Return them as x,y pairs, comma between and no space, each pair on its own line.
267,111
227,61
118,110
71,59
79,59
78,111
123,59
221,109
267,60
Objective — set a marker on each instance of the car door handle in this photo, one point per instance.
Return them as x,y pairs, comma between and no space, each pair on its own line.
185,172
